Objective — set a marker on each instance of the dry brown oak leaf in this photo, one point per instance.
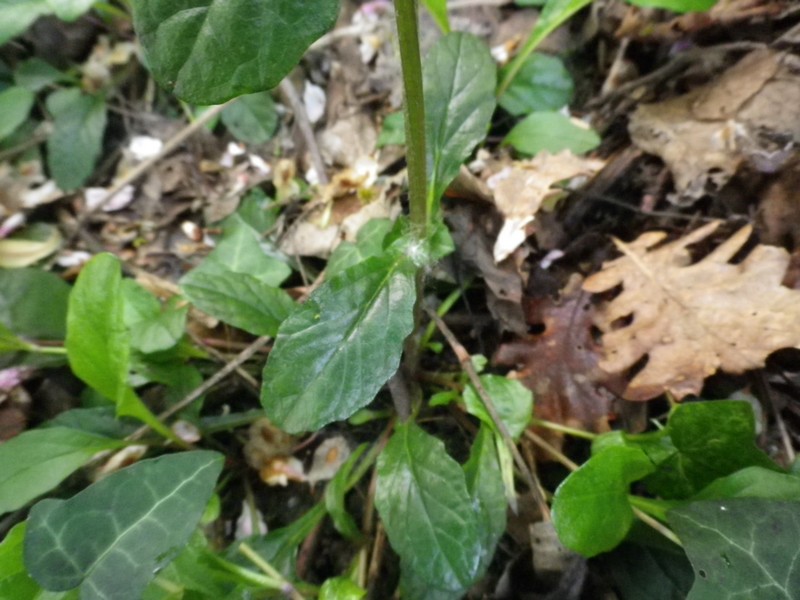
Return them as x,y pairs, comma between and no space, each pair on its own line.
691,319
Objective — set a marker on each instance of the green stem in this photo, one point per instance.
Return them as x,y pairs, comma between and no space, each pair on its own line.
443,309
579,433
406,15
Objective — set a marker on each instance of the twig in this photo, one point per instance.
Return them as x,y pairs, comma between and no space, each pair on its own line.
142,168
270,571
289,95
466,364
243,356
216,354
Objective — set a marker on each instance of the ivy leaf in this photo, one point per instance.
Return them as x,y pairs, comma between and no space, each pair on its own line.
459,77
591,511
15,104
424,503
543,83
137,518
753,482
98,343
551,132
252,118
208,51
741,548
336,351
76,141
36,461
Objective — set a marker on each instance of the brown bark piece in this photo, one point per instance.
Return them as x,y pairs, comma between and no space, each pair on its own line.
691,319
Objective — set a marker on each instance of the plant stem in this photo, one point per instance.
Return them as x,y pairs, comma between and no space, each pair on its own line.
579,433
406,15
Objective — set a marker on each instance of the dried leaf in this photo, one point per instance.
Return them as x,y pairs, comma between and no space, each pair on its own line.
691,319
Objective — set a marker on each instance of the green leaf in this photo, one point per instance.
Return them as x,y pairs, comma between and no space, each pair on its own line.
98,421
335,493
252,118
680,6
591,511
153,328
10,342
69,10
341,588
79,122
485,486
393,131
137,517
14,579
551,132
33,303
438,10
240,251
98,343
424,503
543,83
336,351
17,15
36,461
36,74
15,105
513,401
207,51
753,482
741,548
459,78
369,242
257,210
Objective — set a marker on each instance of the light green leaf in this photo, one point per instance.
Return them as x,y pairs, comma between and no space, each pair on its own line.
10,342
424,503
513,401
680,6
15,104
138,517
207,51
485,486
335,493
753,482
543,83
459,78
252,118
36,461
551,132
393,130
591,511
17,15
341,588
369,242
69,10
438,10
741,548
98,343
14,580
336,351
239,251
153,328
33,303
79,122
36,74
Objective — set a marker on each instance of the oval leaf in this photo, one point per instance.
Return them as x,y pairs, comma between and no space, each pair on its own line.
591,512
252,118
36,461
513,401
459,77
551,132
335,352
135,518
209,51
428,513
543,83
15,104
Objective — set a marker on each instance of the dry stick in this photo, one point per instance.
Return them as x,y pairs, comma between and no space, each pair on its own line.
240,358
289,95
142,168
466,364
216,354
784,433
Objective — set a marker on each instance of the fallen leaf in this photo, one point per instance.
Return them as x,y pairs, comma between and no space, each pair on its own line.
29,245
690,319
328,457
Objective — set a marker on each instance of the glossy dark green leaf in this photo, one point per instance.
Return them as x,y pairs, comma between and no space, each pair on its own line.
79,122
99,420
252,118
591,511
427,510
207,51
240,251
98,343
543,83
37,460
15,104
336,351
741,548
485,486
459,80
513,401
551,132
138,518
369,242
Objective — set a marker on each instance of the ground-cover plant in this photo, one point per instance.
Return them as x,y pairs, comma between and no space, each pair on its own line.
332,354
